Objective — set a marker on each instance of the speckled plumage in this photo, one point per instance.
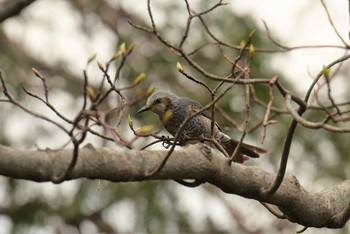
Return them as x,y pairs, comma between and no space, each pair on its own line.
173,110
181,108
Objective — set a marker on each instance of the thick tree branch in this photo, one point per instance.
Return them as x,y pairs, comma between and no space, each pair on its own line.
328,208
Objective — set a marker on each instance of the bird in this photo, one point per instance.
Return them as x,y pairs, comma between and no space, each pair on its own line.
173,110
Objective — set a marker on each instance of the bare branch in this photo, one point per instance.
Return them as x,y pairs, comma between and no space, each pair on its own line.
332,23
285,48
288,140
18,104
313,125
320,74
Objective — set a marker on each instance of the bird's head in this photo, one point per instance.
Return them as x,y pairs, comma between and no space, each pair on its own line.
159,103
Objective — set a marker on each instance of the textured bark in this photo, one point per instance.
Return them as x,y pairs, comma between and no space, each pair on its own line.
328,208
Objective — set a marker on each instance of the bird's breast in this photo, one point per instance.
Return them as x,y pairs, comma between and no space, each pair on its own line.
173,123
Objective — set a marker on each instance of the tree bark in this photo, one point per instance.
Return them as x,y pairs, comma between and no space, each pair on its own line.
328,208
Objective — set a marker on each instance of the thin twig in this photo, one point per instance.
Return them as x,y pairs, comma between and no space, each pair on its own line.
266,120
288,140
291,48
236,152
18,104
333,25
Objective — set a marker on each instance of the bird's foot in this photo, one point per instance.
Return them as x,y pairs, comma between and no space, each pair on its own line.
166,141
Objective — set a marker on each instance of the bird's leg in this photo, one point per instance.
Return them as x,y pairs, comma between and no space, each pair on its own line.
166,141
166,144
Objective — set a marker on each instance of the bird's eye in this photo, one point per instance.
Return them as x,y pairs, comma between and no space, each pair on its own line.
158,100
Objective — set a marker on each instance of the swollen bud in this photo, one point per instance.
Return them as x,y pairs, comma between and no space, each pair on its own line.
131,48
90,92
251,51
122,48
100,65
242,43
251,34
179,67
36,73
326,72
115,56
91,58
131,125
139,78
144,130
149,90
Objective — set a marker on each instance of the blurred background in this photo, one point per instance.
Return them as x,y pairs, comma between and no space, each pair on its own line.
57,38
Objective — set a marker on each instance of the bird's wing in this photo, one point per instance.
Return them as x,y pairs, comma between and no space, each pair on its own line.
195,107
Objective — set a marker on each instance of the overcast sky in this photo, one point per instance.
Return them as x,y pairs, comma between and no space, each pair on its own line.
300,22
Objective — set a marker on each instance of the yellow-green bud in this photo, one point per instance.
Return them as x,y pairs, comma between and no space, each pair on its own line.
91,58
139,78
36,72
131,125
144,130
179,67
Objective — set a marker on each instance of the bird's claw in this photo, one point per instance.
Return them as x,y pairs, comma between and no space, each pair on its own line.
166,142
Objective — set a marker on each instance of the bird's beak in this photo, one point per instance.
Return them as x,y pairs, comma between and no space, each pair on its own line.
143,109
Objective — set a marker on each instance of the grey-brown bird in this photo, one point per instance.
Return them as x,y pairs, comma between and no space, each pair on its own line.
173,110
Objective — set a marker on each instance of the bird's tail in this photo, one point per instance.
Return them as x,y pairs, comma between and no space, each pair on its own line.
245,149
